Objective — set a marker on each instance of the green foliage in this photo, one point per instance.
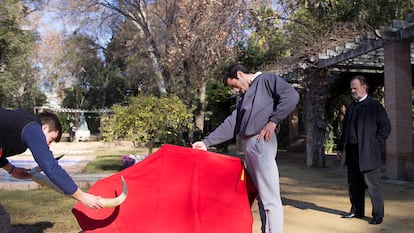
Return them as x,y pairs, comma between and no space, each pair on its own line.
102,93
313,16
266,41
131,59
313,26
220,101
219,106
92,119
104,164
330,143
18,87
147,119
96,84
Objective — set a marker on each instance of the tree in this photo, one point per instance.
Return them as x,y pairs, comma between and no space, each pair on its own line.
94,84
19,87
147,119
220,105
311,28
178,39
266,42
204,35
126,50
143,15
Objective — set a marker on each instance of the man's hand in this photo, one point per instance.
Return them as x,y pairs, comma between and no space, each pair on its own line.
17,172
20,173
89,200
199,146
267,131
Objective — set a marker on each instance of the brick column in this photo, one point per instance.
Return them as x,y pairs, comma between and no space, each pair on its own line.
398,101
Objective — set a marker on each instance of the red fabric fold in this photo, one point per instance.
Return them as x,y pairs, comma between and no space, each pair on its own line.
174,190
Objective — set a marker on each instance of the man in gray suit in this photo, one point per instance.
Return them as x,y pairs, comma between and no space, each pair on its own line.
266,99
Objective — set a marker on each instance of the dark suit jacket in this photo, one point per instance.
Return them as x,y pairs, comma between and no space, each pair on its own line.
374,127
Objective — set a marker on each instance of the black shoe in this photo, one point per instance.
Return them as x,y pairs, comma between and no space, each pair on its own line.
375,221
352,215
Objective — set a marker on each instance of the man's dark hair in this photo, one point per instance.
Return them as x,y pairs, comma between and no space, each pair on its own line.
51,119
231,71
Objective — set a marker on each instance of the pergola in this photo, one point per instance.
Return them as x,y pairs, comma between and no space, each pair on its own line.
76,112
71,110
389,51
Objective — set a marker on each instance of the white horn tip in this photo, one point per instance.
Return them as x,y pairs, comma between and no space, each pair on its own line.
113,202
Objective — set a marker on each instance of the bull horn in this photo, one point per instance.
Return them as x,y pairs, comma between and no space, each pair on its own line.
113,202
38,177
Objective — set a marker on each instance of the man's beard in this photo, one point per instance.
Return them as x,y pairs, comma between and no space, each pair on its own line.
355,96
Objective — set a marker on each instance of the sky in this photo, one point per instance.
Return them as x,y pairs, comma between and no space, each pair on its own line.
54,28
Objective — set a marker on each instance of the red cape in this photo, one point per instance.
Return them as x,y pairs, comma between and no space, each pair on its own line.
174,190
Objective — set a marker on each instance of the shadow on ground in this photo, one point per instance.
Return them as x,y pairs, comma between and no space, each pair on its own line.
304,205
38,227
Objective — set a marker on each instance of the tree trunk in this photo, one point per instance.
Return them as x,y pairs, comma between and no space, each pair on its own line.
159,74
308,127
150,145
316,133
199,118
146,32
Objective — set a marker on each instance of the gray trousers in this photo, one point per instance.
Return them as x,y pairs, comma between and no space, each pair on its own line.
261,165
359,182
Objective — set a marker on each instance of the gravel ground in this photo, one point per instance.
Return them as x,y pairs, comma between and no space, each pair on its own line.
315,198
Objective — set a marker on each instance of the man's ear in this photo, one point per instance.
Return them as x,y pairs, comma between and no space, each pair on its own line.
239,74
45,128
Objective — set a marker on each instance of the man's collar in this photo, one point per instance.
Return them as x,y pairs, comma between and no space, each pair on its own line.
255,75
363,98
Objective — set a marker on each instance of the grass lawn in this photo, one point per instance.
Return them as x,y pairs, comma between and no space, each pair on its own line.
37,211
45,211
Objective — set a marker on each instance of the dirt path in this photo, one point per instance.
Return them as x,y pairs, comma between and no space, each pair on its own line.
314,198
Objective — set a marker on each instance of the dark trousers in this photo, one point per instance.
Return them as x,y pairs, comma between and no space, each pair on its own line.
359,181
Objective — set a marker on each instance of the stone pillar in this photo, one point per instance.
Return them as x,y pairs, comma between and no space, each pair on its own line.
398,103
102,115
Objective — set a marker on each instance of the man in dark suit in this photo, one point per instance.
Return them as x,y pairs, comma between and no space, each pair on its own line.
365,128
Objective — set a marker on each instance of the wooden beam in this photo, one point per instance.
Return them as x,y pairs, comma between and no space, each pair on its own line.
363,48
